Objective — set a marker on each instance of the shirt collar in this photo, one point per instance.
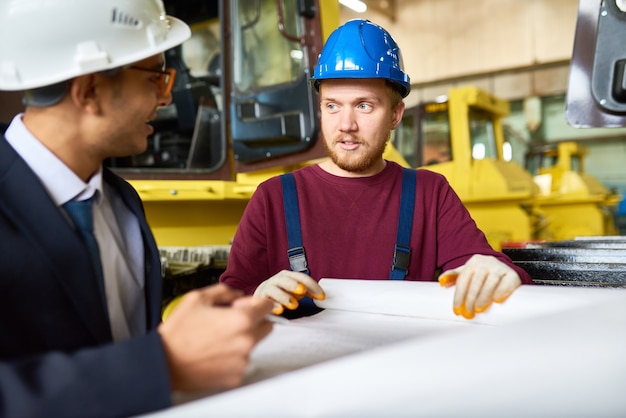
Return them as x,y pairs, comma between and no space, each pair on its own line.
59,180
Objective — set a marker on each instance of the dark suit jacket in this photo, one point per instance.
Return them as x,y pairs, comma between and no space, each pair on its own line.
56,351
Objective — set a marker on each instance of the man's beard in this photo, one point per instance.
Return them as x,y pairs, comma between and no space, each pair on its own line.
362,163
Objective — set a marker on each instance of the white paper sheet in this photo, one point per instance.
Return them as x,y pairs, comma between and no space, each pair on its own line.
429,300
332,334
395,349
364,314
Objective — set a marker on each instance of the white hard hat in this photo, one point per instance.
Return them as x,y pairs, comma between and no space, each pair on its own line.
43,42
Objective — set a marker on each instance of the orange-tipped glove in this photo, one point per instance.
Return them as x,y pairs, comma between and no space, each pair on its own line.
287,287
479,282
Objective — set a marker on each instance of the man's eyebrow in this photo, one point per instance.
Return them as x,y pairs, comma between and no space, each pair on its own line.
372,98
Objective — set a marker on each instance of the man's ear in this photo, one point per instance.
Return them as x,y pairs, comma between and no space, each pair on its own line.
85,94
396,116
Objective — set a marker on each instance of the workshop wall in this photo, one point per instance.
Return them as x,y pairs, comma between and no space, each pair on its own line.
512,48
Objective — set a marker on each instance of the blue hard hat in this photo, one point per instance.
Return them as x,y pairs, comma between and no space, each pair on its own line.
361,49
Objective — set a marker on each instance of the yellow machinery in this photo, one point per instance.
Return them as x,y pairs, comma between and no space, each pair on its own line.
461,137
574,203
242,112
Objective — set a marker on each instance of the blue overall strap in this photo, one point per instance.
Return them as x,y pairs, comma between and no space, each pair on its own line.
297,257
402,250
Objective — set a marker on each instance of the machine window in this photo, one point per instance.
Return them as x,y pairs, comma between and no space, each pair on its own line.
482,136
436,146
262,55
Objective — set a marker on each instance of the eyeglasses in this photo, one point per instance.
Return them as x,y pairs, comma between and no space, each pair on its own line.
165,80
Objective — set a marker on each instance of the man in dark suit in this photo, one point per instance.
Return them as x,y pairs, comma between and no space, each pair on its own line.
80,330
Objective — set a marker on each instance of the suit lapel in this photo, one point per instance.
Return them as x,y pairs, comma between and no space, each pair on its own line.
25,200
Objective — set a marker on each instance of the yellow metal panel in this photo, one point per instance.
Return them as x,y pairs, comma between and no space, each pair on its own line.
501,221
184,190
474,97
329,17
392,154
192,223
571,220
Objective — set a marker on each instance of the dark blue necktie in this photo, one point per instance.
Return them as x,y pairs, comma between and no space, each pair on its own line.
82,215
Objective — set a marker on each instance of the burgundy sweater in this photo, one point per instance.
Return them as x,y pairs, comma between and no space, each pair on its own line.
349,228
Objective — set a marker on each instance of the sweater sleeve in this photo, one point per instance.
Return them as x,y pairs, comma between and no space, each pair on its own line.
458,236
256,253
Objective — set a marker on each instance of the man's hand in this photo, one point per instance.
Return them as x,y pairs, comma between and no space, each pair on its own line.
479,282
286,288
209,336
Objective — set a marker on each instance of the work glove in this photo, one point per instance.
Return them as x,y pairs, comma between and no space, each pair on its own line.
286,288
479,282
